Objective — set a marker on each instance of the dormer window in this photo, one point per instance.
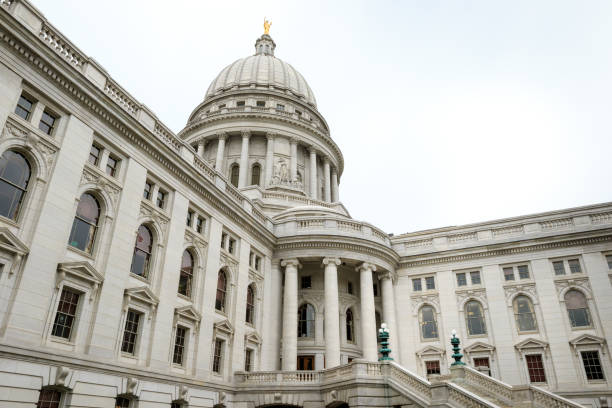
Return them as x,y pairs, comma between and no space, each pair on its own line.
240,104
280,107
261,104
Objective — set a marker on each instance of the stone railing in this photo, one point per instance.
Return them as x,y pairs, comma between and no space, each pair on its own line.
526,396
121,97
296,199
483,234
413,383
462,398
56,41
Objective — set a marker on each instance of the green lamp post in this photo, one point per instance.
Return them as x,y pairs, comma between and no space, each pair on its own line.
383,336
456,350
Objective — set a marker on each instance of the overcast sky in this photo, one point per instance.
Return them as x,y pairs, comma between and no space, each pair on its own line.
447,112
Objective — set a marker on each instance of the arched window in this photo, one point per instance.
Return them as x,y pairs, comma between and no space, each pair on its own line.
350,326
142,252
221,291
577,308
14,177
250,304
186,276
255,174
85,223
234,175
306,321
524,314
429,326
474,316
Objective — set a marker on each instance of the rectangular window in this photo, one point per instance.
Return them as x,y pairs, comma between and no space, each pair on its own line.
112,164
24,107
231,246
223,240
509,274
416,285
559,268
349,288
306,282
49,399
179,345
161,199
461,279
248,360
574,266
609,261
261,104
218,356
430,284
475,277
66,314
94,155
189,218
280,107
176,405
432,367
46,123
200,225
240,103
130,334
257,262
523,271
592,365
535,367
482,364
147,190
122,402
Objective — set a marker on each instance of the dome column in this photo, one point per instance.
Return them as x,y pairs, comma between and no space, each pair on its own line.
201,148
313,172
334,184
269,158
290,314
244,159
293,164
368,311
327,180
332,313
220,152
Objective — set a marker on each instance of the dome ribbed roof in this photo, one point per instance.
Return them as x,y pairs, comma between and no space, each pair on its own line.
262,70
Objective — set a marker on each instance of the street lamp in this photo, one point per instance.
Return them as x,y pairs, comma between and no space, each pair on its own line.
383,336
456,355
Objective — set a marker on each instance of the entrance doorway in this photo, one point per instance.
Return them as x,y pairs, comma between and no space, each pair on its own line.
305,363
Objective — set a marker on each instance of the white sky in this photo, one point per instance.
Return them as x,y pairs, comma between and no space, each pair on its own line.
447,112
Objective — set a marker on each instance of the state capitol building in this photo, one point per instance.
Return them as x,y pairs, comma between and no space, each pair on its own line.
218,267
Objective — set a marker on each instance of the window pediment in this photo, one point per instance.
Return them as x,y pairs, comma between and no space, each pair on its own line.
188,312
11,244
478,347
587,340
430,351
528,344
143,294
81,270
224,326
252,338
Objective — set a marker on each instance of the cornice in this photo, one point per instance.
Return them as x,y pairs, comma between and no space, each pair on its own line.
512,249
91,98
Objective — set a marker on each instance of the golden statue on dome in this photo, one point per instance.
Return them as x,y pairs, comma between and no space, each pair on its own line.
267,25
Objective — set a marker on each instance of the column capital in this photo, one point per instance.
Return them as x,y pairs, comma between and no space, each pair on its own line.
326,160
384,275
329,260
293,140
334,171
270,135
222,135
366,266
291,262
312,150
246,133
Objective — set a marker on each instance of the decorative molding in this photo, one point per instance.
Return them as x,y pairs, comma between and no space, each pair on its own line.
479,347
464,295
430,351
560,223
531,344
457,238
149,212
253,338
82,271
420,299
30,139
508,231
101,182
142,294
564,283
512,289
225,327
193,239
189,313
421,243
588,340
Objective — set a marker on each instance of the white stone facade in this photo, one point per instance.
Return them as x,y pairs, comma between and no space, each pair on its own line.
250,189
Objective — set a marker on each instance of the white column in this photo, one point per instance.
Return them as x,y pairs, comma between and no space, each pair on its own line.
332,313
313,173
293,150
290,314
368,312
388,301
220,152
244,160
334,182
201,148
327,180
269,158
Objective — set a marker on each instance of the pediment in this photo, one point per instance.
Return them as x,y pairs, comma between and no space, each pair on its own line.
531,344
252,337
479,346
188,312
587,339
10,243
430,350
224,326
81,270
144,294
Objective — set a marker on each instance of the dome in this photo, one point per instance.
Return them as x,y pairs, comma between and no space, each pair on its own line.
262,71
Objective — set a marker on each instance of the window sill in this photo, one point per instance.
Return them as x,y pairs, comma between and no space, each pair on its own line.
477,336
186,298
141,278
8,221
583,328
81,253
61,340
